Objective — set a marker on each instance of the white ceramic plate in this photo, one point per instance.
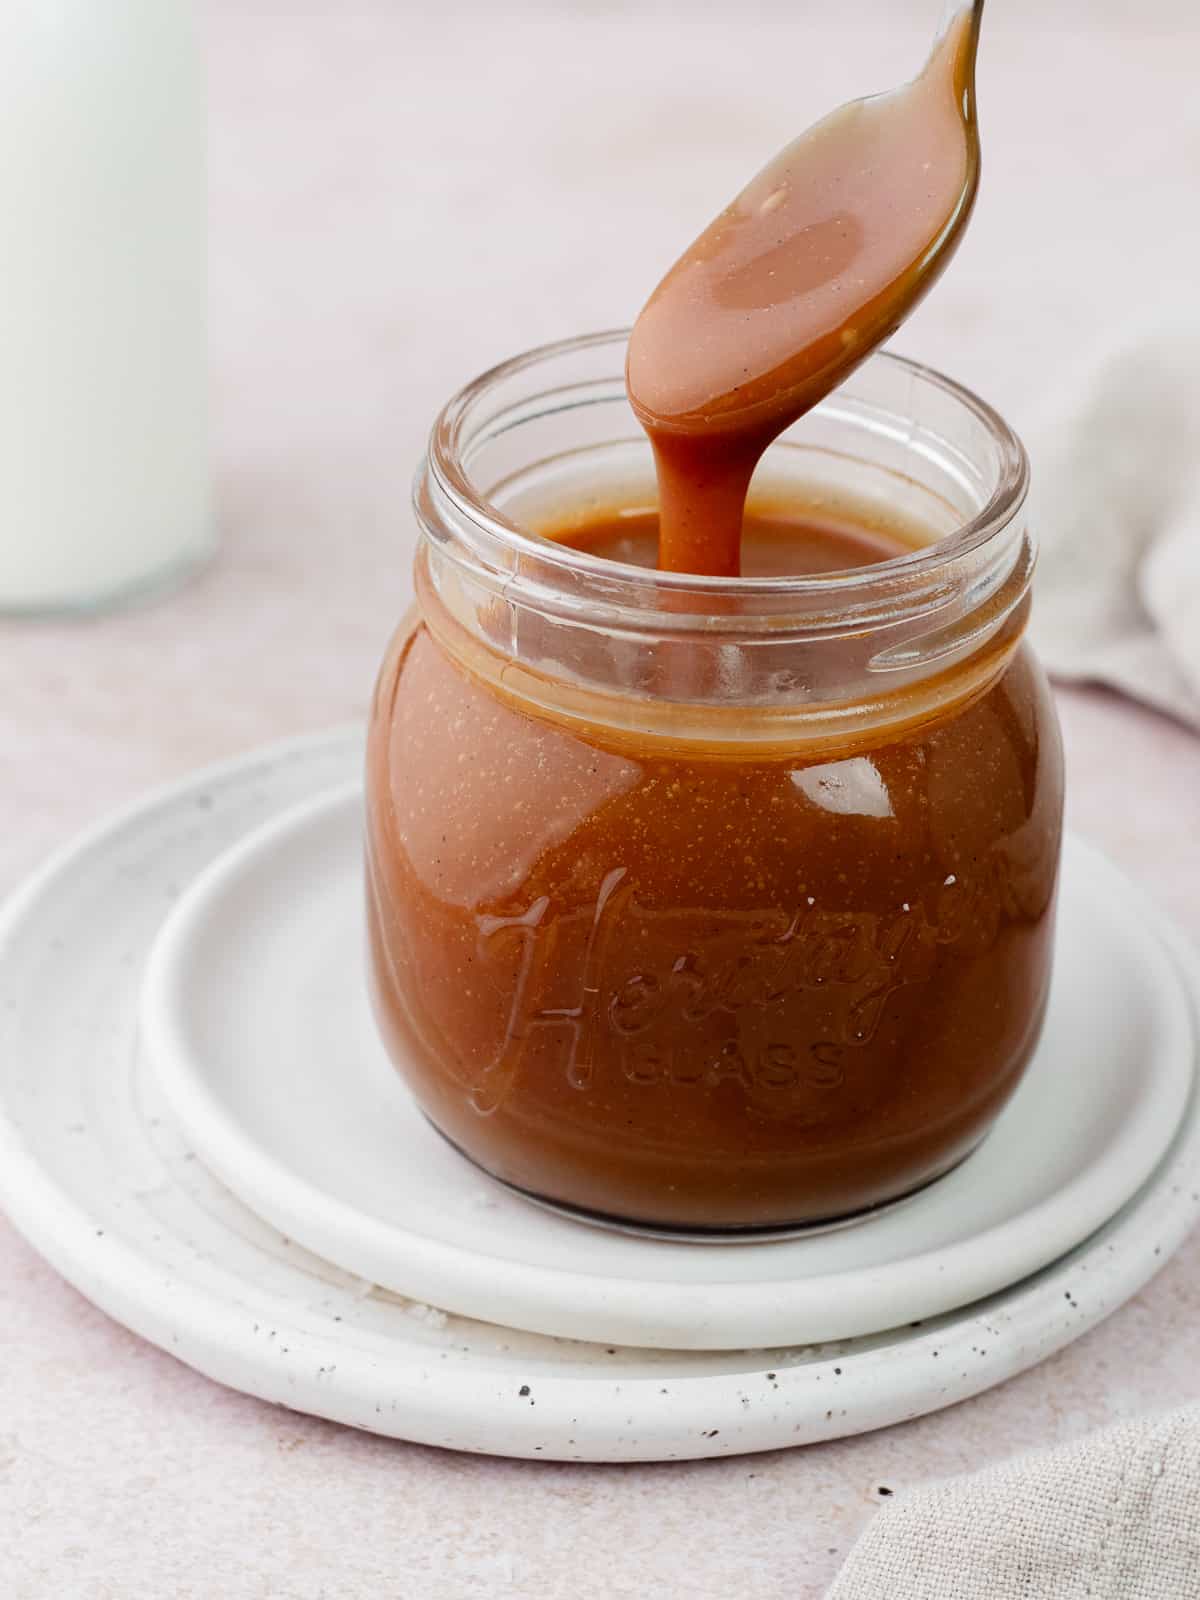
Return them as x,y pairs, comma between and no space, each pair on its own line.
256,1017
95,1173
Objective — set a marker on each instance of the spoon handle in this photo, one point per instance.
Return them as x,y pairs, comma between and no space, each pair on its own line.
955,8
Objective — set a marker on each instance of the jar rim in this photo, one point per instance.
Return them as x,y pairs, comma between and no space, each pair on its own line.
447,466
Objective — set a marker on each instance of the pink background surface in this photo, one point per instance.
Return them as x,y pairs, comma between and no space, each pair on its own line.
402,194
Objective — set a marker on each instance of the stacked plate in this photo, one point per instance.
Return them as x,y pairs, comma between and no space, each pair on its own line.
199,1129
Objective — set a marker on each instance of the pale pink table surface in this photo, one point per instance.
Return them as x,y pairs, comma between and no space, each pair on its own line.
402,194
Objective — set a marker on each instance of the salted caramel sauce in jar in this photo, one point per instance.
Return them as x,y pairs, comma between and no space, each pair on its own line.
713,906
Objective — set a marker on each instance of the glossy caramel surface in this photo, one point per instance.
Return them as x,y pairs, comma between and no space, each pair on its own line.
778,542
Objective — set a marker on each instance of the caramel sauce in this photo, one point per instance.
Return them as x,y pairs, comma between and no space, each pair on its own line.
695,984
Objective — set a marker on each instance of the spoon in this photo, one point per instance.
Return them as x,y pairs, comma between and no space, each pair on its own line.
809,270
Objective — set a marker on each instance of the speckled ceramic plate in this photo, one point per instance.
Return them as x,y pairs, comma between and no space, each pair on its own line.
98,1176
255,1016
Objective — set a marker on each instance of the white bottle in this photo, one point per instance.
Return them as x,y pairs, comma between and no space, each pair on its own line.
103,448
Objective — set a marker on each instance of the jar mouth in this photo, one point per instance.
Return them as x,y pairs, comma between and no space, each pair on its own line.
497,538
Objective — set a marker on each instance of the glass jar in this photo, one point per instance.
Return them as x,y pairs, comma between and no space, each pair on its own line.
701,905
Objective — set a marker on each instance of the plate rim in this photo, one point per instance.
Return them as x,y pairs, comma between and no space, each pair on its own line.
448,1274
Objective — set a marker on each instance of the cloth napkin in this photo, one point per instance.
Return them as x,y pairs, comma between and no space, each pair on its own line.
1116,502
1115,1516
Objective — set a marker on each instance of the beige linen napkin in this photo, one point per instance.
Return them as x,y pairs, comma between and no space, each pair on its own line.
1112,1517
1116,504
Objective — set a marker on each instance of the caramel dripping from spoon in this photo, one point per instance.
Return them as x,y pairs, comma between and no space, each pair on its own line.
814,265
